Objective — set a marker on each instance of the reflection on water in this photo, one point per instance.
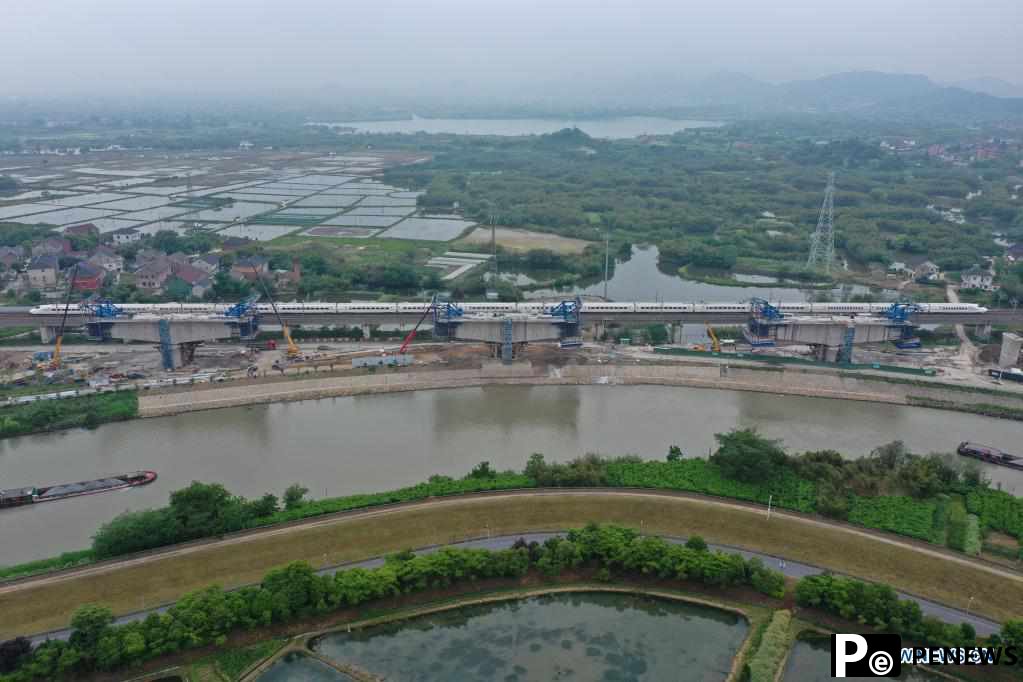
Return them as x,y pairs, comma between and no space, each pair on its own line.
339,446
295,667
810,661
580,636
506,408
639,279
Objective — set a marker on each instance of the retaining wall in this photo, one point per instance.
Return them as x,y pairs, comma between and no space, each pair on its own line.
787,382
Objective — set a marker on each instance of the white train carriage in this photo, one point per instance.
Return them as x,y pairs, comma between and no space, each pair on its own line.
608,307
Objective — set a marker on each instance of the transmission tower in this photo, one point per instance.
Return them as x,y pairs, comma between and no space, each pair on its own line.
822,244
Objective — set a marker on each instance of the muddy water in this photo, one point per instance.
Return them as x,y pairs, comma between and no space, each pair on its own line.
369,443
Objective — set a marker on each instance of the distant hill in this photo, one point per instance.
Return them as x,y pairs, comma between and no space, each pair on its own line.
996,87
864,93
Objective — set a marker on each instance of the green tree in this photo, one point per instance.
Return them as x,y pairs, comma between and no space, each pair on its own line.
89,624
294,496
483,470
178,289
696,543
745,455
202,509
674,454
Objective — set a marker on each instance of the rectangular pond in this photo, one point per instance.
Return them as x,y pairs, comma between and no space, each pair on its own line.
571,636
431,229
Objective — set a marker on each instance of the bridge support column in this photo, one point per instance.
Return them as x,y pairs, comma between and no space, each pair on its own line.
47,334
677,335
983,332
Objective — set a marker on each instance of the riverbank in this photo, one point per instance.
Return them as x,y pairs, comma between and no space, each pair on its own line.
46,603
88,411
733,375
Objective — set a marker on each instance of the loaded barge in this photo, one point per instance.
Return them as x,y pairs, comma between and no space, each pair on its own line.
990,455
17,497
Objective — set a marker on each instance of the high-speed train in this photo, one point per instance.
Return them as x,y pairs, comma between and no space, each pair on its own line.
533,307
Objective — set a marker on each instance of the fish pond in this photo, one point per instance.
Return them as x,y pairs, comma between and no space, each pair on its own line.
573,636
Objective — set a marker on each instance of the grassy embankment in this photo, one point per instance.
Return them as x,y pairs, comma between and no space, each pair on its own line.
50,603
53,415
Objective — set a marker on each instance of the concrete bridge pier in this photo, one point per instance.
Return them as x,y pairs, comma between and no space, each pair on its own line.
677,332
47,334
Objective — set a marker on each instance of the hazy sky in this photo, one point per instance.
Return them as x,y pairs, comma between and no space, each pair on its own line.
525,46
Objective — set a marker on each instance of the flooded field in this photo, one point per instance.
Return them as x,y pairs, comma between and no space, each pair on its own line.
431,229
581,636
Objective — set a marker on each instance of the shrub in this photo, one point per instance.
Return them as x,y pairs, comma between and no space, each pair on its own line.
774,645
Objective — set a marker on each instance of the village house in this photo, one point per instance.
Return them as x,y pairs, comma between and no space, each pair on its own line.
927,271
126,235
42,272
210,263
250,268
152,276
88,277
145,256
108,259
83,230
900,268
978,278
198,280
11,256
1015,252
52,246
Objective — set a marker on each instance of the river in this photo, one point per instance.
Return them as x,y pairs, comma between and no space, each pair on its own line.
369,443
609,128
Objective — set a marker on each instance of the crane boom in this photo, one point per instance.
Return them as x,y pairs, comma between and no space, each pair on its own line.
293,350
412,334
55,360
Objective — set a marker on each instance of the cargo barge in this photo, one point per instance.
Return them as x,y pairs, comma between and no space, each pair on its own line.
17,497
990,455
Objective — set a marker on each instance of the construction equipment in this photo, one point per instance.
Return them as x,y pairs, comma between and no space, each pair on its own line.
412,334
293,352
55,359
715,344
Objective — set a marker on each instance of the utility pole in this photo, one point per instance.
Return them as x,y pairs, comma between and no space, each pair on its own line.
770,499
607,256
493,242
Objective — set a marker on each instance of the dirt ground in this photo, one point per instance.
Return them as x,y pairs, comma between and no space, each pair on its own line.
524,240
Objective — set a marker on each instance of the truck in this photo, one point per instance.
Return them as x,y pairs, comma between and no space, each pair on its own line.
1011,374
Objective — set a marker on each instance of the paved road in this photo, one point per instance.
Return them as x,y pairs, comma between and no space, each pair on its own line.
793,569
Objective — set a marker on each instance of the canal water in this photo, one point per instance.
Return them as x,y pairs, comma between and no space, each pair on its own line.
578,636
296,667
339,446
639,279
810,661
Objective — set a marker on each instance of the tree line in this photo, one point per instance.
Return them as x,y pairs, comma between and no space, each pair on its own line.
745,466
296,591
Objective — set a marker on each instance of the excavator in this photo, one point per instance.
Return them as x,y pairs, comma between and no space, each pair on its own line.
715,344
293,352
